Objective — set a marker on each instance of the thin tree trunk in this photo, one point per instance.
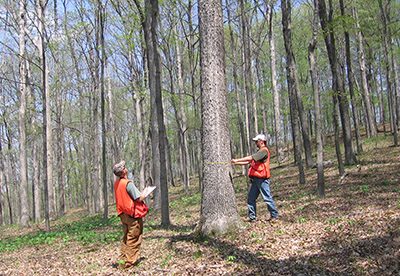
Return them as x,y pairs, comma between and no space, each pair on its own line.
23,181
379,95
396,82
197,160
337,81
363,69
111,131
49,200
9,184
250,118
96,97
295,131
295,87
351,84
103,58
242,142
150,26
317,105
337,135
36,180
384,17
2,180
182,126
274,86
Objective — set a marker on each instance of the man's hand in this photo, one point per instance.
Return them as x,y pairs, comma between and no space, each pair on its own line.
242,161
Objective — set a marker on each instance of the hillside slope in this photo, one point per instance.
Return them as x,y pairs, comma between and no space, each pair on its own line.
354,230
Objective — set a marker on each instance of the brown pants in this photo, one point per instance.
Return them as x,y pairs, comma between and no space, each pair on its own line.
133,229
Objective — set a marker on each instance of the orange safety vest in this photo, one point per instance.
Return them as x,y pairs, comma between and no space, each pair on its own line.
260,169
125,203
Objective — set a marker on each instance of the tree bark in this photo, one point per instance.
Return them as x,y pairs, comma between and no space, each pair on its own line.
2,180
182,125
363,70
103,58
350,81
294,86
317,105
248,80
242,140
337,81
60,130
218,207
49,196
150,26
274,85
385,35
23,181
111,130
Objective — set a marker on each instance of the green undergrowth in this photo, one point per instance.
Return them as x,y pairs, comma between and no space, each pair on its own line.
86,230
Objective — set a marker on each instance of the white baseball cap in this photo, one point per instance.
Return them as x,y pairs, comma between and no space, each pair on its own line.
260,137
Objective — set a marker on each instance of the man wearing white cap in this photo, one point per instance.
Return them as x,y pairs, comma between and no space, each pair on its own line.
259,172
126,194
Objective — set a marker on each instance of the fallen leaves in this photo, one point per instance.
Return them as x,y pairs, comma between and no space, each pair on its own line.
354,230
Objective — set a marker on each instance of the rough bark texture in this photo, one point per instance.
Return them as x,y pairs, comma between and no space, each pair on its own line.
218,209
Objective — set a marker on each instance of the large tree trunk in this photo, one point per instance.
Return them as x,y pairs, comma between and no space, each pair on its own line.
218,207
294,88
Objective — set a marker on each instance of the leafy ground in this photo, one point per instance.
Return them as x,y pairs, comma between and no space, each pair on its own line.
354,230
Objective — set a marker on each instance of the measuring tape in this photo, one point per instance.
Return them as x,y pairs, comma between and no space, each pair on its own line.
211,163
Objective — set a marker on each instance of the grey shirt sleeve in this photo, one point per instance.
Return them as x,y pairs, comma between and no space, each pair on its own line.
260,155
133,192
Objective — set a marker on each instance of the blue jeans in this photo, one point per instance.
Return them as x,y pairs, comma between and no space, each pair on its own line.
260,185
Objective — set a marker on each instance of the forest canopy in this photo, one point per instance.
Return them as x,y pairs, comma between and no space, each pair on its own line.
76,93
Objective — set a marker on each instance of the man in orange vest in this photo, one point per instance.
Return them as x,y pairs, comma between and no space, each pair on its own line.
259,172
126,194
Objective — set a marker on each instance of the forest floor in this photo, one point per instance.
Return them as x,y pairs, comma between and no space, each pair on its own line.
354,230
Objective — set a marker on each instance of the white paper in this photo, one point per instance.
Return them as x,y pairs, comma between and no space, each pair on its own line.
148,190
